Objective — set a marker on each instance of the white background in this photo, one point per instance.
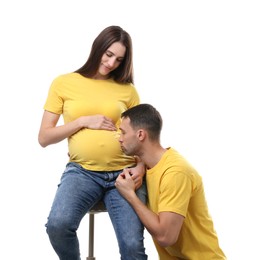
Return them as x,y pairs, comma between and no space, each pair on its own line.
196,61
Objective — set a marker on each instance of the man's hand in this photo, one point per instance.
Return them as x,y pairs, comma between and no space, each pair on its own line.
137,173
125,184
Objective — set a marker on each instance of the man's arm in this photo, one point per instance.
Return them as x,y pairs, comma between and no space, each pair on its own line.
164,227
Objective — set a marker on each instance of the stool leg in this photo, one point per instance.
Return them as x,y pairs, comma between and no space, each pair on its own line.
91,237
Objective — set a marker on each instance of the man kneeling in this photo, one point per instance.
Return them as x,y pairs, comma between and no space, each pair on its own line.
177,215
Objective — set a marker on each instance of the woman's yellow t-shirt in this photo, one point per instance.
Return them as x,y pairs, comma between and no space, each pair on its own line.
73,96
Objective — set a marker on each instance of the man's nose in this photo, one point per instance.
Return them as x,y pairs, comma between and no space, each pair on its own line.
120,139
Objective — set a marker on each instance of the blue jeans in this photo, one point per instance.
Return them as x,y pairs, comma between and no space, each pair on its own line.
78,191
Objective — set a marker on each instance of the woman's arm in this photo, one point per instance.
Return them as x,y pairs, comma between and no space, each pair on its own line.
49,133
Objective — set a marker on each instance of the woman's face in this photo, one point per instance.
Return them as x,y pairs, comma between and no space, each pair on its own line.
110,60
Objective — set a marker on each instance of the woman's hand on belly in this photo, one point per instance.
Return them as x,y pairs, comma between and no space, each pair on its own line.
97,122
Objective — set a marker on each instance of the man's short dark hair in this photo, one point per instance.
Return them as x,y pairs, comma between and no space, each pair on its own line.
147,117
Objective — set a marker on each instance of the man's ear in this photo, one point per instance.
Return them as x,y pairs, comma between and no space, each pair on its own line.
141,134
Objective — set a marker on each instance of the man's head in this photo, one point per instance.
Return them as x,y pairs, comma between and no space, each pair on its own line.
140,124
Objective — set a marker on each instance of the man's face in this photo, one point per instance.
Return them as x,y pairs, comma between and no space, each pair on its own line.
128,138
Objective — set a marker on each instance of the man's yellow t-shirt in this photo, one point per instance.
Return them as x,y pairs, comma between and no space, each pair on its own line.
175,186
73,96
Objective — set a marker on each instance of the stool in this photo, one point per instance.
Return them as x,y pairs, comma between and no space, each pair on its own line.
98,208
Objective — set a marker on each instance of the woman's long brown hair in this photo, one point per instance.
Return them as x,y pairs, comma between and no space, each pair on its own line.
111,34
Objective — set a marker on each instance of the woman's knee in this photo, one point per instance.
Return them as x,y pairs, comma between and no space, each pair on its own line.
60,227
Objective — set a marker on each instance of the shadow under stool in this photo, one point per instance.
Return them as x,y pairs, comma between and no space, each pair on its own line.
98,208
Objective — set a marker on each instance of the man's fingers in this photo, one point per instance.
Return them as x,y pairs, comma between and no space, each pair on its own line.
119,177
128,174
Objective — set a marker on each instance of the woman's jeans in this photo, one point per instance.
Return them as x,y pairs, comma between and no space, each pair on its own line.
78,191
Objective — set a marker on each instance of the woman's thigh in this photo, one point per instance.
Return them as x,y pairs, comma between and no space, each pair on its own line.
76,194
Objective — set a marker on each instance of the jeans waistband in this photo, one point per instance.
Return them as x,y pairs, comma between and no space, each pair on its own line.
105,175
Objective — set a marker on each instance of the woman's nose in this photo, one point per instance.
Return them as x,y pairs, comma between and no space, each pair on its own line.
111,62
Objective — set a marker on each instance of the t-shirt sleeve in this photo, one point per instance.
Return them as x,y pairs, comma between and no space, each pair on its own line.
54,102
135,99
175,193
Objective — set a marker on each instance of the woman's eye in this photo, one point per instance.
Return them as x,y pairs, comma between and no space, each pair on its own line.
108,54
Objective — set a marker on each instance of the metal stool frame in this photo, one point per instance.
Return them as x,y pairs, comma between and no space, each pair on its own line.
98,208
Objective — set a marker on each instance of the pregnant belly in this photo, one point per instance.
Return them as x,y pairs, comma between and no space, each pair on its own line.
96,147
